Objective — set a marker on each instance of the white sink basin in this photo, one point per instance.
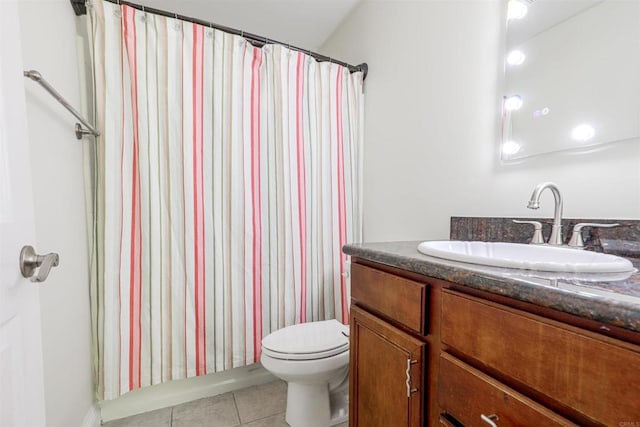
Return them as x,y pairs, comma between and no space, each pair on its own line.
527,257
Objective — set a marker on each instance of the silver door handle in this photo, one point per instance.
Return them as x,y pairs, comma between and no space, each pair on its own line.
30,261
408,374
490,419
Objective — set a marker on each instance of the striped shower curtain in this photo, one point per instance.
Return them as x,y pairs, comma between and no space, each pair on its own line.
227,179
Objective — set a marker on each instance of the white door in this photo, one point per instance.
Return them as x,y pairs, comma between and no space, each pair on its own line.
21,377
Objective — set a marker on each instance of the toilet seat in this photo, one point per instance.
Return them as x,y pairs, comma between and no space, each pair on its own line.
304,356
307,341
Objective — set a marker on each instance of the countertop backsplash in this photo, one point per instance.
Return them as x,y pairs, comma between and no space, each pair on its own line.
623,240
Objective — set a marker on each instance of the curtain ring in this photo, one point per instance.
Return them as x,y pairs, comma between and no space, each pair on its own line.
241,33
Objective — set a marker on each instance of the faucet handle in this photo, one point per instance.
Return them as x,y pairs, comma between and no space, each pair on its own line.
576,240
537,238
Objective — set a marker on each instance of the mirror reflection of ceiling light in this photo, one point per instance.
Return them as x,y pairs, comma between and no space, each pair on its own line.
516,10
542,112
509,148
515,57
583,132
513,103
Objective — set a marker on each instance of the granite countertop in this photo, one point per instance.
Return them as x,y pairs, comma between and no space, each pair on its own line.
609,300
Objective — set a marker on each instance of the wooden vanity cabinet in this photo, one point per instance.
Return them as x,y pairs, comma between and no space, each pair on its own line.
466,357
388,352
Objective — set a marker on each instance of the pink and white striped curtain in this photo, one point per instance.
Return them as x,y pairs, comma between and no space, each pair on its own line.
228,177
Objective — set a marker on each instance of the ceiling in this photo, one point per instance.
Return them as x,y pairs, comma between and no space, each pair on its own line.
303,23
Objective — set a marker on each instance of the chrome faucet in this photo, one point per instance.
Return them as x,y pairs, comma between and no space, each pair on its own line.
534,203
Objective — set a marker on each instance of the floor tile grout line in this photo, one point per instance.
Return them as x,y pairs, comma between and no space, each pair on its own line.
266,417
235,404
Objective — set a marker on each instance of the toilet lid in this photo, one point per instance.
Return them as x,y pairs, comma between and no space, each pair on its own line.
313,340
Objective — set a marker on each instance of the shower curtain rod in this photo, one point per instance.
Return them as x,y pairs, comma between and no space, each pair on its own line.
79,7
80,131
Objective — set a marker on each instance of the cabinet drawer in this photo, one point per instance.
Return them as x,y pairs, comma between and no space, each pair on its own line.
572,370
466,393
400,299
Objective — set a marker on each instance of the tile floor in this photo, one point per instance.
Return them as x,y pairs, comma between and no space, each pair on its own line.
258,406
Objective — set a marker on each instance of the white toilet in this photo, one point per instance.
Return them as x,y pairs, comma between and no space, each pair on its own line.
313,358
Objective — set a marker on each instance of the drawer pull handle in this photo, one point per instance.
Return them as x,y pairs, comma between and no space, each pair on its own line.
490,419
408,381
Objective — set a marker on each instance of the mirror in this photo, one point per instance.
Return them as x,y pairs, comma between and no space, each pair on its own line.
572,76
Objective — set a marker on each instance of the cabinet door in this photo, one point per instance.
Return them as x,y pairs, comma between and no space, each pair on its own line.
386,374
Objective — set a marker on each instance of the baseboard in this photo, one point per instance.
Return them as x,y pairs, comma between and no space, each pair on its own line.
92,417
181,391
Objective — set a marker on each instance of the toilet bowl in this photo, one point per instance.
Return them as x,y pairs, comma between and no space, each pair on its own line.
313,358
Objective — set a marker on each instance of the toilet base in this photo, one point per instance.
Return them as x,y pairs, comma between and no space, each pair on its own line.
339,404
311,405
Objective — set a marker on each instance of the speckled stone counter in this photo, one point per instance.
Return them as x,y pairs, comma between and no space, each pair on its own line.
623,240
606,299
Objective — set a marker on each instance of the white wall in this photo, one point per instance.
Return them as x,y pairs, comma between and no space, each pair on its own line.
49,46
432,126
